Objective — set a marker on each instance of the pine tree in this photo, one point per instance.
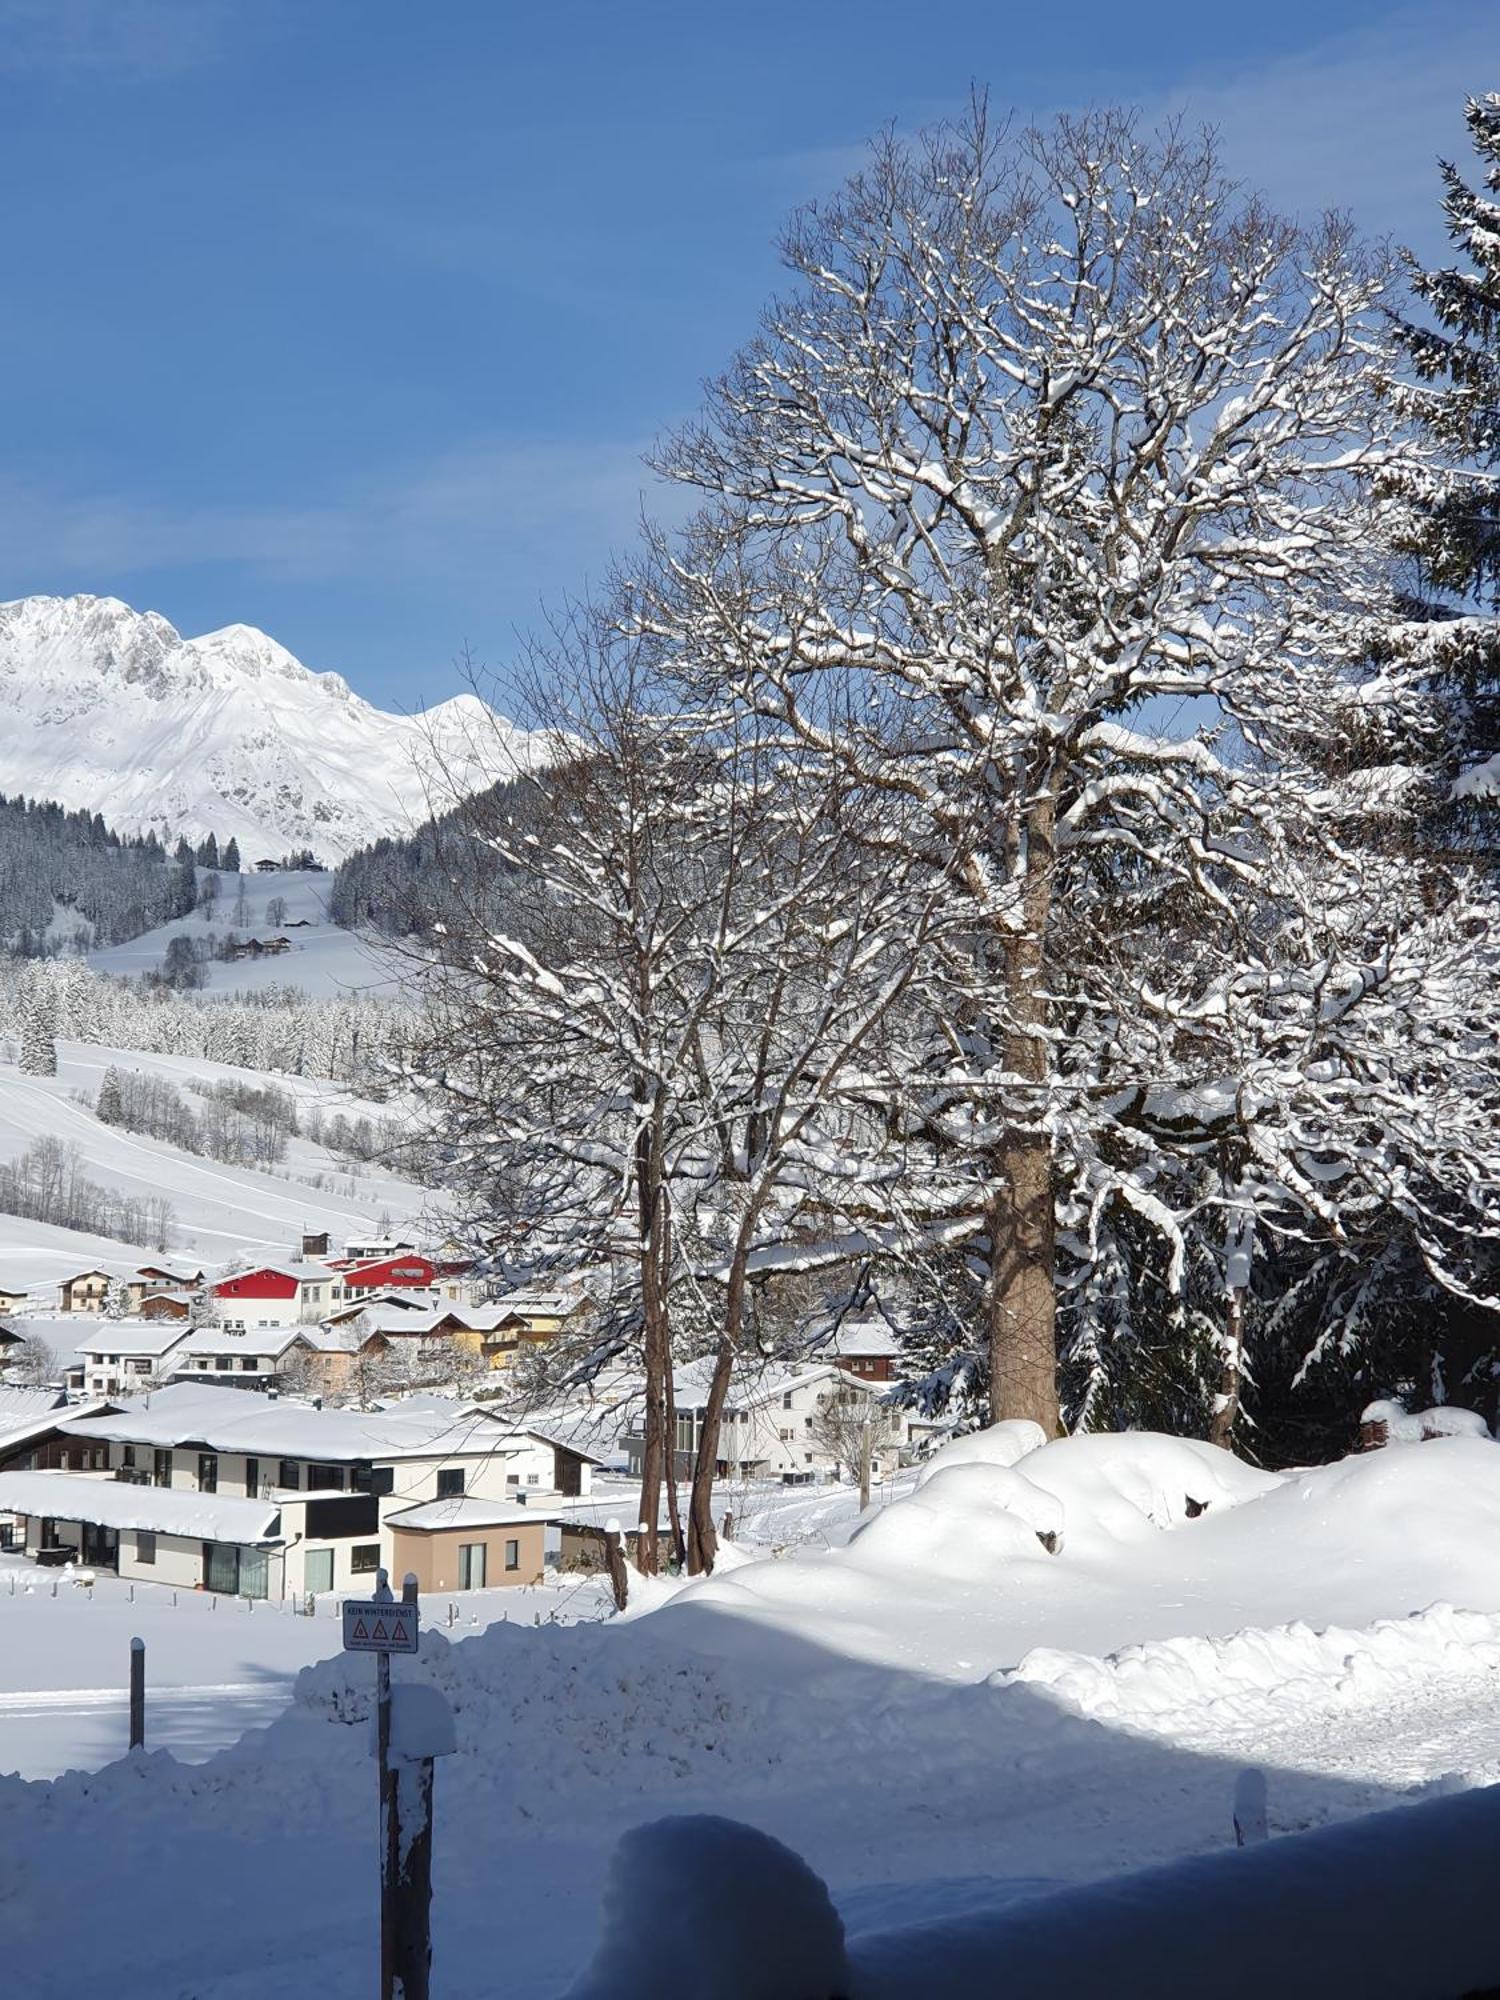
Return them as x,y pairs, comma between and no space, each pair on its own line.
208,853
108,1108
1453,633
38,1048
231,857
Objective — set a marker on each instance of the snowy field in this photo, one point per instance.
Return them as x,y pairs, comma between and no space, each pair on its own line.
216,1667
220,1211
324,961
939,1715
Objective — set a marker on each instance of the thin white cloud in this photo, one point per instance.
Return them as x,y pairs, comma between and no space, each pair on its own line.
143,38
1357,122
515,510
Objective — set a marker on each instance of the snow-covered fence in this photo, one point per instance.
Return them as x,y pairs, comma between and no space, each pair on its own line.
1390,1422
1394,1905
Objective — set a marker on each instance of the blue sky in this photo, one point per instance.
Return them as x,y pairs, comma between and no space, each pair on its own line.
352,318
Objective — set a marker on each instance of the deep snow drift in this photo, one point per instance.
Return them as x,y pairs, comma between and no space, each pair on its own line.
908,1733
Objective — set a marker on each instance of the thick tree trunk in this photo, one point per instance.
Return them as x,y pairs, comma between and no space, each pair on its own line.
703,1541
1022,1218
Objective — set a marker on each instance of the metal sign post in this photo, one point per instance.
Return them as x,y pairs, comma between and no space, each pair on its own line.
382,1626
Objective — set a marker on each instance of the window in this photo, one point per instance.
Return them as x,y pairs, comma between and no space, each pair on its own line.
208,1472
450,1482
786,1401
161,1473
471,1565
326,1476
128,1456
289,1473
372,1478
140,1367
512,1555
364,1558
249,1363
223,1362
252,1477
145,1546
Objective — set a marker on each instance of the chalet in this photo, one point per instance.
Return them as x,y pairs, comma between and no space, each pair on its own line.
126,1354
176,1306
379,1308
255,947
274,1295
267,867
316,1243
536,1316
866,1348
85,1291
149,1279
779,1423
12,1301
263,1497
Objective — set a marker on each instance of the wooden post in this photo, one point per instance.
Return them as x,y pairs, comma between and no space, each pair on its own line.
865,1454
413,1889
137,1694
389,1831
614,1558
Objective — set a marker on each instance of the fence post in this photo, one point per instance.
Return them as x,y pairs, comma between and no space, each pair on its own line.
137,1694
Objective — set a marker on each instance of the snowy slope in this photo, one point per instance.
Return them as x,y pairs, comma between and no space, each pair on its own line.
112,709
324,961
220,1211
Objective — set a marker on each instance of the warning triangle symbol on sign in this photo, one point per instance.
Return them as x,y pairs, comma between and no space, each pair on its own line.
380,1631
359,1630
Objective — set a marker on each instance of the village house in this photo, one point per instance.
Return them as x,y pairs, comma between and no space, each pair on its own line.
124,1355
31,1434
405,1271
248,1357
866,1348
200,1487
12,1301
792,1424
148,1280
86,1291
176,1306
291,1294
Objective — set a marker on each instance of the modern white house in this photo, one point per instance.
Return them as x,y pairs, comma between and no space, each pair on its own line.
783,1423
259,1496
122,1356
225,1352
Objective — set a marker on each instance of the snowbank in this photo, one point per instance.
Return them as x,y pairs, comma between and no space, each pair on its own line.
1393,1906
1157,1685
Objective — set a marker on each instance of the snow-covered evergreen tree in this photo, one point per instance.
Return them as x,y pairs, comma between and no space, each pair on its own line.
38,1034
1451,633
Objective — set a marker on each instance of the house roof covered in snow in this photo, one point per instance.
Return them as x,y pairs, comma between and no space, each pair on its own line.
431,1517
160,1510
131,1337
265,1426
258,1340
865,1339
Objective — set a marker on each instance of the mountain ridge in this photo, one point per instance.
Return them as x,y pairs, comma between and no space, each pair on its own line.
113,709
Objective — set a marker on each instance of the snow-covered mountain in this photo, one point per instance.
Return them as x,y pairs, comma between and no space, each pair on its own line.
112,709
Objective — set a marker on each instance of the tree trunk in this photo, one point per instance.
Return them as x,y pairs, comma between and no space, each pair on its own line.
1227,1402
1022,1217
865,1454
657,1348
703,1542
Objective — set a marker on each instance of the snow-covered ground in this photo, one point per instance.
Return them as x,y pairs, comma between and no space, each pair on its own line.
219,1211
215,1667
324,961
939,1715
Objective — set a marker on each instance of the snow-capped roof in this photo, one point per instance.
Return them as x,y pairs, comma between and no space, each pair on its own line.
303,1273
431,1517
866,1338
257,1340
132,1336
160,1510
277,1427
752,1387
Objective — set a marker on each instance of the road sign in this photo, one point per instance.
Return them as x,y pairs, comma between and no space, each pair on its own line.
374,1627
